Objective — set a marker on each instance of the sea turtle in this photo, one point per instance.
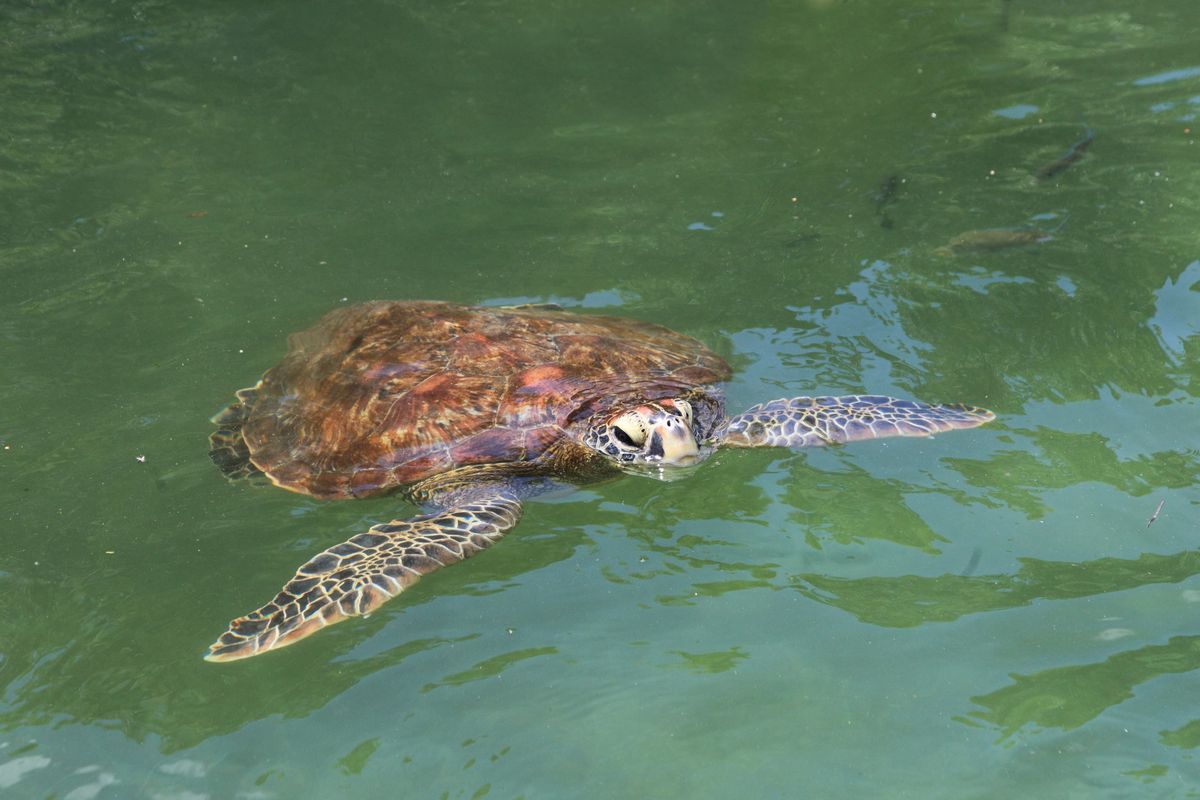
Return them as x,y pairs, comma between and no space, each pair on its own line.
466,411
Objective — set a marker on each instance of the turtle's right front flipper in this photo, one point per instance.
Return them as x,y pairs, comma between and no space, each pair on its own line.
358,575
815,421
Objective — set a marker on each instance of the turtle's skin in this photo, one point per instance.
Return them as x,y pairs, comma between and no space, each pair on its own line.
467,411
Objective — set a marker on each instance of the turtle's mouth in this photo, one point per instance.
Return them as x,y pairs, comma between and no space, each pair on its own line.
670,441
658,468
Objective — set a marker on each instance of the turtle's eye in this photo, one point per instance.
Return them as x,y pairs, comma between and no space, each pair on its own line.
629,430
622,436
685,410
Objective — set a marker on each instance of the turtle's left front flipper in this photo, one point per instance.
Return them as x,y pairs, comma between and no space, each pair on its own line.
358,575
815,421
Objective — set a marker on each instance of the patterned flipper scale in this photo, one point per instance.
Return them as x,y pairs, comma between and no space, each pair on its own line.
357,576
815,421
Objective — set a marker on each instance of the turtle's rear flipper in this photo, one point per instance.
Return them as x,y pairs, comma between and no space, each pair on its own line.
226,447
814,421
357,576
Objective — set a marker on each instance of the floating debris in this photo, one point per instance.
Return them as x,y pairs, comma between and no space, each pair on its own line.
1062,164
197,214
994,239
140,459
1157,511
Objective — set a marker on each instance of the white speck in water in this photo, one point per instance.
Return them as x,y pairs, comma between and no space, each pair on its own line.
1020,111
188,768
1112,634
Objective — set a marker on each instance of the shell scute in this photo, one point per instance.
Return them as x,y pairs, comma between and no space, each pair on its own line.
367,481
537,397
420,467
538,440
498,354
699,375
439,410
490,447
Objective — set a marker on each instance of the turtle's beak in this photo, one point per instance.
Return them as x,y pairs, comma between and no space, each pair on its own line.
671,440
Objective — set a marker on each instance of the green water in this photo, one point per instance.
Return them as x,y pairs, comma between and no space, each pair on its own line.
981,615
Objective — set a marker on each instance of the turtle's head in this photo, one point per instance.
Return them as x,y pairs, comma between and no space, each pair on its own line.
648,438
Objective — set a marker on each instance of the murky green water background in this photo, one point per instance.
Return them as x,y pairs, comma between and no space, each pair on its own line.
982,615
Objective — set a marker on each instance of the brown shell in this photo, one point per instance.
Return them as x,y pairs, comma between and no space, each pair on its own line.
387,393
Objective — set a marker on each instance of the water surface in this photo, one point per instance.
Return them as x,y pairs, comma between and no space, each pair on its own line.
985,614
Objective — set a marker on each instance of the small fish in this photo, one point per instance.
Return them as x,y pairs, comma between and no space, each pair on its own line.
197,214
1004,15
887,191
1157,511
1074,154
884,196
987,240
972,562
802,240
